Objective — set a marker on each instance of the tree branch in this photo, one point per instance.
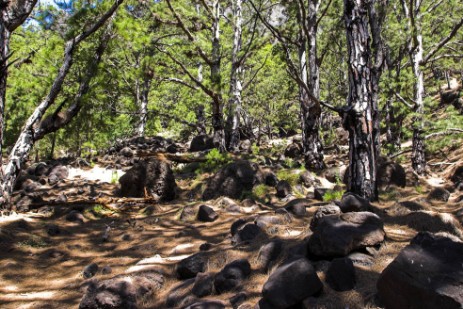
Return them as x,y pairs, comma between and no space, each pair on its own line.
442,43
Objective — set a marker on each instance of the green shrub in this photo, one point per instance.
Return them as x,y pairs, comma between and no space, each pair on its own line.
260,191
114,177
214,160
289,176
332,196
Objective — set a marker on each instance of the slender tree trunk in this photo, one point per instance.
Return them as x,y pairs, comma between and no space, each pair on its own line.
234,103
376,22
310,75
216,81
4,44
418,148
359,115
144,95
393,124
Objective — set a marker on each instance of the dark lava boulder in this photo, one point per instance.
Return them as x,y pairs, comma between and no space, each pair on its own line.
341,275
293,150
57,174
353,202
283,189
391,173
206,214
121,292
338,235
439,194
290,284
191,266
268,253
298,207
232,275
246,233
233,179
457,176
204,284
201,143
427,274
152,177
207,304
323,211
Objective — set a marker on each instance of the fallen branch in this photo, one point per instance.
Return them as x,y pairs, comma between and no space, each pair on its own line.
446,132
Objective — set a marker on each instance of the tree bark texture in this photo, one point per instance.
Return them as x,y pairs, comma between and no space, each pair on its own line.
234,103
418,148
216,81
310,75
4,44
358,119
12,15
144,95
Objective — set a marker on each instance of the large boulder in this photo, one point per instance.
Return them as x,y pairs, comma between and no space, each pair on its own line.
201,143
457,176
293,150
391,173
268,253
323,211
290,284
121,292
298,207
191,266
426,274
232,275
233,179
353,202
246,233
439,194
341,275
338,235
57,174
283,189
152,177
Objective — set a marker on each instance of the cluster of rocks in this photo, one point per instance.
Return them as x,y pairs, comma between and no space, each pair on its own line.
128,147
34,180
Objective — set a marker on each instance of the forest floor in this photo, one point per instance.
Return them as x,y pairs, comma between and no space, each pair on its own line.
38,270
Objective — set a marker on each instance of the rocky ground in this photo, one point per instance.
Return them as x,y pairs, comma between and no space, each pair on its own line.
136,229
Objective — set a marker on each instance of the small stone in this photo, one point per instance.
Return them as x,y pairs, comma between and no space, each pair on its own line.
106,270
207,214
53,230
90,270
319,193
75,216
283,189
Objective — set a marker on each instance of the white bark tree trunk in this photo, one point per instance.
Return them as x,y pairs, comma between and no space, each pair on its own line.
415,50
234,102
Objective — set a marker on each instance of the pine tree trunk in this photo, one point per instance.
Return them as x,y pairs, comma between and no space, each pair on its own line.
144,95
216,81
359,115
4,44
310,110
234,103
393,124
